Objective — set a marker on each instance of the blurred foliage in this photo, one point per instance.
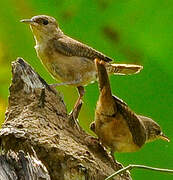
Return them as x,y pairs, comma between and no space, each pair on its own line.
130,31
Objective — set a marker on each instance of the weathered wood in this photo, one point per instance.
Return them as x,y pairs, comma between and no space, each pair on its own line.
37,120
15,166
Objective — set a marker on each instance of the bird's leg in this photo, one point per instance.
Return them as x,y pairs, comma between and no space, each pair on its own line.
77,107
75,112
78,102
53,86
81,92
64,84
59,84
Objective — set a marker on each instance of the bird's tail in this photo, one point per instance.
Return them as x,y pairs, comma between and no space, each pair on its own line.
106,103
102,76
123,69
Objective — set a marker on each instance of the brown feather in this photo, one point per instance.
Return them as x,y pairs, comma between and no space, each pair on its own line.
71,47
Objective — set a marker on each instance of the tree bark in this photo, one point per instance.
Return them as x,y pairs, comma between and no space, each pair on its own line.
15,166
37,123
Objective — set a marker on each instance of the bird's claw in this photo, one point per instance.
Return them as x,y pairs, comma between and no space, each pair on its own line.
73,116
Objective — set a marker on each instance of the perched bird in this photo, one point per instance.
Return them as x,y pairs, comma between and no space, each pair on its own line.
116,125
68,60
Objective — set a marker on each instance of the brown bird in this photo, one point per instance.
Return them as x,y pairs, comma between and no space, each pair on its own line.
116,125
68,60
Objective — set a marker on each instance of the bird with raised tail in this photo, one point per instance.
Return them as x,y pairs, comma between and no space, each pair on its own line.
68,60
116,125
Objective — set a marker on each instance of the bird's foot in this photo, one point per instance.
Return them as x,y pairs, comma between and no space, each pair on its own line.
77,107
73,116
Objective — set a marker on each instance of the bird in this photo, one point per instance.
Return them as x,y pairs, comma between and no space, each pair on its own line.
119,128
67,59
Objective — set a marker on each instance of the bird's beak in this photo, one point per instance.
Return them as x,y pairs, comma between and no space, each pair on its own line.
164,137
28,21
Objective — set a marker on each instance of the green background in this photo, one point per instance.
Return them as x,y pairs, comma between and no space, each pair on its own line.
130,31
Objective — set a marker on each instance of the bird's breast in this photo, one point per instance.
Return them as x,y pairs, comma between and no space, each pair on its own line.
113,132
77,70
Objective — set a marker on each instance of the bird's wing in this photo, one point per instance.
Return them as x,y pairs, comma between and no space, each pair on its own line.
135,124
119,100
70,47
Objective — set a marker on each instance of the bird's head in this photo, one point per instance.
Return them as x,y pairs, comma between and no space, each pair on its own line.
153,130
43,25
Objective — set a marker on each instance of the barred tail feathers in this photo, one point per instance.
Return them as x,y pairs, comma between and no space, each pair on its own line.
123,69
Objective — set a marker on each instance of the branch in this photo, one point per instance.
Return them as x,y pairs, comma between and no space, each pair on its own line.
37,117
132,166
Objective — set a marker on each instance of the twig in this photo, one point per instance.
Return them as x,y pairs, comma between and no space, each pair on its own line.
131,166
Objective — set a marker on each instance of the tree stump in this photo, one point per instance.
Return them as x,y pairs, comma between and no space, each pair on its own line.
15,166
38,125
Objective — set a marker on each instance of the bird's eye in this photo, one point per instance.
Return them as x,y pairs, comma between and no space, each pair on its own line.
45,22
158,132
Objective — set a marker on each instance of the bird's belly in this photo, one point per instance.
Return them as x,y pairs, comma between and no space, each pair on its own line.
77,71
115,134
